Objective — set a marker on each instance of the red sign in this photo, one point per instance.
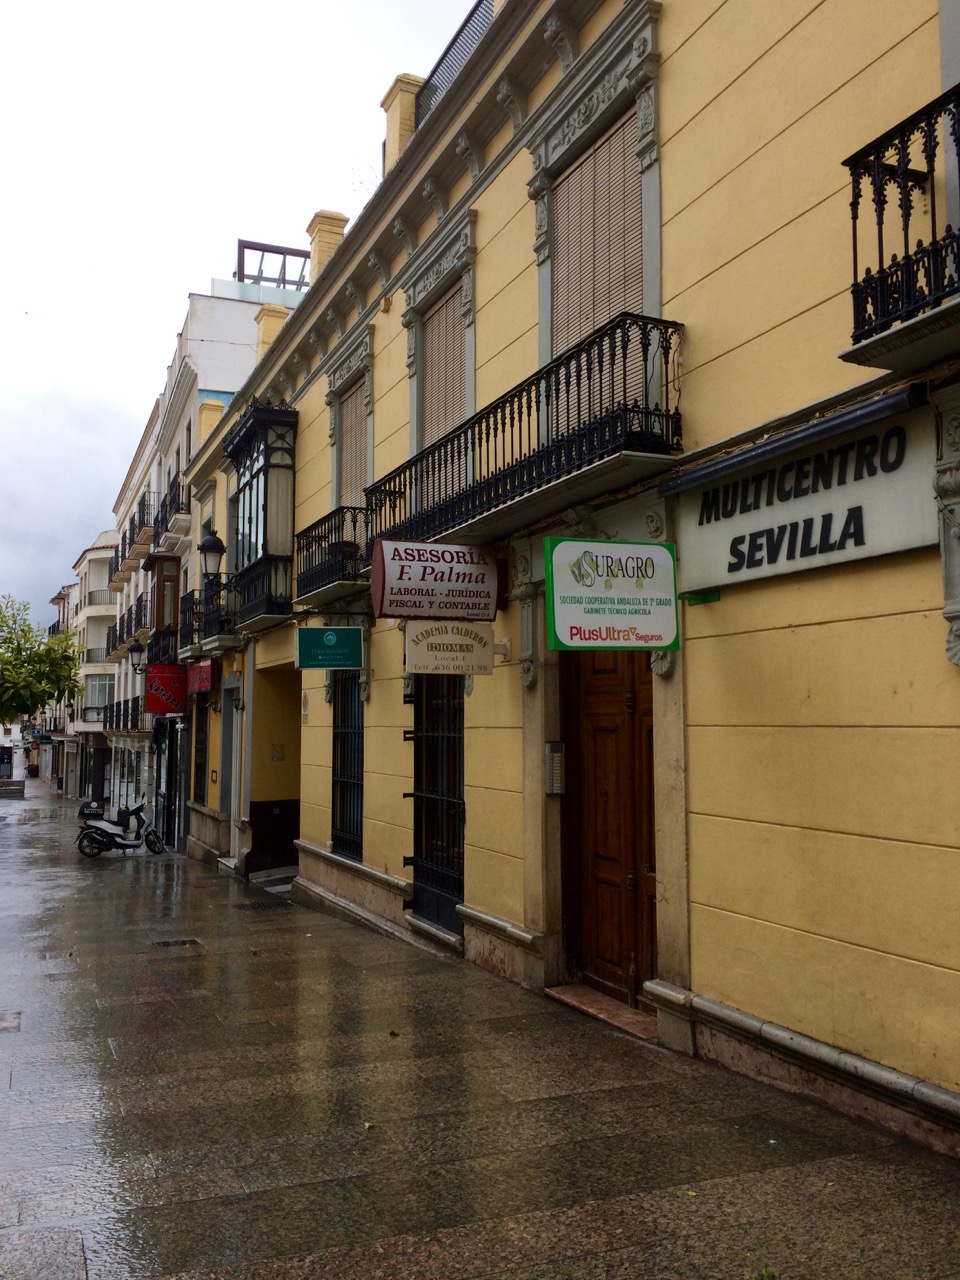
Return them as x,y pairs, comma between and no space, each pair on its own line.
200,676
166,687
433,580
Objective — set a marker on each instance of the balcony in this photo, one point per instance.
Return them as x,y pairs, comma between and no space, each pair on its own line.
331,556
93,656
142,523
219,619
598,418
122,565
92,717
191,625
264,593
906,257
162,645
98,604
141,617
453,59
56,629
173,518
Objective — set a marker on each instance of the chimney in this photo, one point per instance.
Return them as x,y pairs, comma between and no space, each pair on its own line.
325,231
400,104
208,415
269,321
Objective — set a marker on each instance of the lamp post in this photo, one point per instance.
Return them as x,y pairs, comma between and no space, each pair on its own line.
211,550
135,653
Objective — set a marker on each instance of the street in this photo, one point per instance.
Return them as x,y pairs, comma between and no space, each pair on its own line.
200,1080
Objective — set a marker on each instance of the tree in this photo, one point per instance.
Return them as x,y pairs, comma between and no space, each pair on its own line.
34,668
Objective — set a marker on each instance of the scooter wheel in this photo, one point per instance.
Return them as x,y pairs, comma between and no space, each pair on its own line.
154,843
90,845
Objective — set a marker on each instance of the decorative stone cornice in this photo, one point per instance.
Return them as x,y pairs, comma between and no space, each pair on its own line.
355,296
406,234
469,149
436,197
453,255
335,320
380,267
560,32
513,100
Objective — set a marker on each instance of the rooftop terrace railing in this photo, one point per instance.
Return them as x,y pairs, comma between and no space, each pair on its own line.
453,59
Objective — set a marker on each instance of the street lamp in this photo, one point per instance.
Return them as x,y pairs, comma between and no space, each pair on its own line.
135,653
211,550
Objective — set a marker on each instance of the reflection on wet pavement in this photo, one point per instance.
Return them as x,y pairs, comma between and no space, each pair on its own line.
192,1089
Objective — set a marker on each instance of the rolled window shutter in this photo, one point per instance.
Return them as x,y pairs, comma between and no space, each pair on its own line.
352,447
443,395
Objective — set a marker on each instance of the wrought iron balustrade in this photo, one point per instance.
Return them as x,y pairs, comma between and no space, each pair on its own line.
611,393
55,629
453,59
333,549
191,619
113,638
96,655
100,597
169,640
265,587
141,611
175,502
122,636
908,172
114,566
219,616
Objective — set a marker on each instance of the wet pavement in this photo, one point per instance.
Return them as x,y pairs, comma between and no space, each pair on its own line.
199,1080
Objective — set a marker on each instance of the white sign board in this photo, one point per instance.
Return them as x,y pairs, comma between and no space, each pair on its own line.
864,494
449,648
610,595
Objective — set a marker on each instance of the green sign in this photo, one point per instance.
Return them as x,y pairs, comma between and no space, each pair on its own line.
610,595
325,647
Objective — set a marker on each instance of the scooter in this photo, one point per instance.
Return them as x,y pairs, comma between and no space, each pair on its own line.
98,834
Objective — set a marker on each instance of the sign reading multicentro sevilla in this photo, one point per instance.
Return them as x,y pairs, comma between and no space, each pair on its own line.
433,580
610,595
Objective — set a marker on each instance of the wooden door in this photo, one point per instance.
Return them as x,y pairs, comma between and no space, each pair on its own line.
609,853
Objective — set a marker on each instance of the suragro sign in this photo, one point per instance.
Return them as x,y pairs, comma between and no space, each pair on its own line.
610,595
433,580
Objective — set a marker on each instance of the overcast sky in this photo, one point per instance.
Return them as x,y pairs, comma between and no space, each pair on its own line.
140,142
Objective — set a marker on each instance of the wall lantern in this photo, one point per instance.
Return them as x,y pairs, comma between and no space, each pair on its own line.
211,550
135,653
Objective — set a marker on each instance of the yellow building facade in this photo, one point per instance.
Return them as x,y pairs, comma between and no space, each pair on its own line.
603,293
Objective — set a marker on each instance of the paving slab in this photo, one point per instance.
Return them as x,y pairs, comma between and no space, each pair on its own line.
194,1090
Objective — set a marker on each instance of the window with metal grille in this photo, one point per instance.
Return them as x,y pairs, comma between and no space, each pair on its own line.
347,824
201,719
597,237
442,368
352,447
438,806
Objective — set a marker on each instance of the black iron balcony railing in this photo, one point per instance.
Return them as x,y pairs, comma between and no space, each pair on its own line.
96,655
219,615
909,194
611,393
175,502
141,611
451,62
56,629
331,550
265,588
113,639
162,644
191,619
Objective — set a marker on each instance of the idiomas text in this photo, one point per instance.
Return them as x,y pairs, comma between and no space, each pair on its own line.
834,468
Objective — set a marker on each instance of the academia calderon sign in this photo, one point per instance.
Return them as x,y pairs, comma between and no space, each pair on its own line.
433,580
449,648
610,595
863,494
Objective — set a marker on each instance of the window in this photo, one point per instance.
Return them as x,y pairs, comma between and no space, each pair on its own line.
443,393
347,824
352,447
98,691
597,237
439,810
